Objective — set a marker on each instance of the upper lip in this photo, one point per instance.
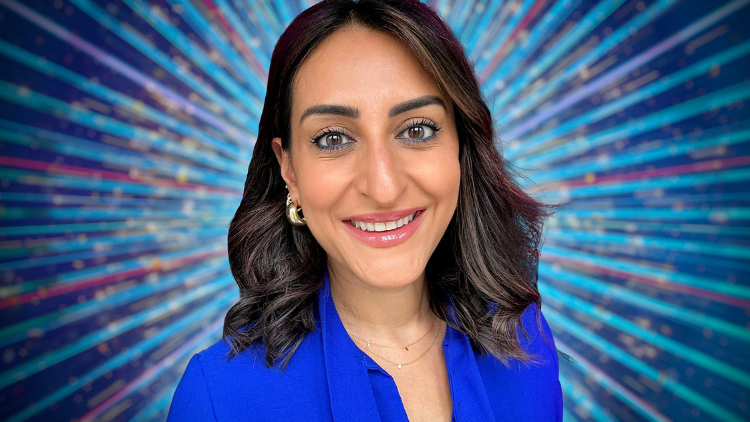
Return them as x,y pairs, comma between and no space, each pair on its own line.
382,217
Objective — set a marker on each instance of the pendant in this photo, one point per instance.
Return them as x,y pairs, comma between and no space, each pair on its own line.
407,348
398,366
368,345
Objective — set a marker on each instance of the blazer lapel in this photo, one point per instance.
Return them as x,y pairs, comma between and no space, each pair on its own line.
348,382
470,400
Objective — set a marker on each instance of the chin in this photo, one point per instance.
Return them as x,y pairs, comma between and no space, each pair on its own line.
391,274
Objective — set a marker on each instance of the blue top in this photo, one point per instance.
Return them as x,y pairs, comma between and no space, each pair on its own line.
330,378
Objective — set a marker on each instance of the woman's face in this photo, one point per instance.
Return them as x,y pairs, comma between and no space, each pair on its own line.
373,140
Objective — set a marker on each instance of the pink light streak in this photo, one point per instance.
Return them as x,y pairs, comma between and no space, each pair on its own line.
55,290
521,26
651,281
703,166
111,175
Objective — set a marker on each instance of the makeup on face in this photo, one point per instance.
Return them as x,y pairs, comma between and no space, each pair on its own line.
375,156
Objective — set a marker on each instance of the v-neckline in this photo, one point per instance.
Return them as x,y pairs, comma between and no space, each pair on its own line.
347,366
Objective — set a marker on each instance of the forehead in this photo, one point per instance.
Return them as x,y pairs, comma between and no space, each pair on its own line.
360,67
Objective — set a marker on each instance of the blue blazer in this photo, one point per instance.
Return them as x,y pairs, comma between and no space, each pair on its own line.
330,378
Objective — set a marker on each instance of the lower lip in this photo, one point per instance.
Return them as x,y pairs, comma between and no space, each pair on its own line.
387,238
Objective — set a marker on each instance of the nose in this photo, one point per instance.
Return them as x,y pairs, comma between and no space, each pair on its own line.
381,173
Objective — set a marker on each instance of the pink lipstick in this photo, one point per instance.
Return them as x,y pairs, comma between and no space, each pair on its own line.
388,233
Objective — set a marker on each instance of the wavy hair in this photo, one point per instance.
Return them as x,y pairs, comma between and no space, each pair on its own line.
485,265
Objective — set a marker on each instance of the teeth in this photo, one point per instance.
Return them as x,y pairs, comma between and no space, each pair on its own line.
380,227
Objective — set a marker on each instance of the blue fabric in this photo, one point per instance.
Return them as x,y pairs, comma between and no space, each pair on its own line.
330,378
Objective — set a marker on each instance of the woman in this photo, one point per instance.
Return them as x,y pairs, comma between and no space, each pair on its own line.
386,260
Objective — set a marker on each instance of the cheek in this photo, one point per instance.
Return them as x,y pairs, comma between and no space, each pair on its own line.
321,185
440,176
317,196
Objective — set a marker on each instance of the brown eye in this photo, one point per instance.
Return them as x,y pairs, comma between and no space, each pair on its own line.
419,132
333,139
416,132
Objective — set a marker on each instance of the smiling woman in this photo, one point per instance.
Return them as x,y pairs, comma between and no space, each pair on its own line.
378,220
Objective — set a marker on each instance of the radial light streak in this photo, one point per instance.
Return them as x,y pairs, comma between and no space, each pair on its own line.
127,127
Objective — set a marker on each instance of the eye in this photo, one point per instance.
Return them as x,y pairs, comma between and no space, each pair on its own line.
330,138
419,131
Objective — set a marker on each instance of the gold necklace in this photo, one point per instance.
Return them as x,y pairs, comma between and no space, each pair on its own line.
399,365
368,343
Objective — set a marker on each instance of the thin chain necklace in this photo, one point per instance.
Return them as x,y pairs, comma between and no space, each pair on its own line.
369,343
399,365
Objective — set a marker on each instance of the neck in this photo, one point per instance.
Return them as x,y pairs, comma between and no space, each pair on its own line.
395,314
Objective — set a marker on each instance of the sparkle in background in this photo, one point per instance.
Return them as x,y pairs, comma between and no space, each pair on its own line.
126,128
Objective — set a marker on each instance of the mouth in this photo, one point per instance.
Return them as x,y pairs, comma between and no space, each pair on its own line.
384,234
384,226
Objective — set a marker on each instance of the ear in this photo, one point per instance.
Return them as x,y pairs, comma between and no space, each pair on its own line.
287,172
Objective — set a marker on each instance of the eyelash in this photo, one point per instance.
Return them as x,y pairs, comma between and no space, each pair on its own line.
338,131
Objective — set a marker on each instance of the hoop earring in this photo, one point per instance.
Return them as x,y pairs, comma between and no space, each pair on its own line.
292,212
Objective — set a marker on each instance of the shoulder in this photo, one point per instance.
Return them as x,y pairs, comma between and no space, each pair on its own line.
214,387
535,383
248,369
214,360
536,337
192,398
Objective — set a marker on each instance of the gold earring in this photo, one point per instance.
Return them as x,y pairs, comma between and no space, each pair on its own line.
292,212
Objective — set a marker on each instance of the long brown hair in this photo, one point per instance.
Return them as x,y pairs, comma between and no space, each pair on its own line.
485,264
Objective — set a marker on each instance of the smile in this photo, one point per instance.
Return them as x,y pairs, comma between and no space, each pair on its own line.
384,234
385,225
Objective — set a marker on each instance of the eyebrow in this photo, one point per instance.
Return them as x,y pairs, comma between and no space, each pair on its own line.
349,111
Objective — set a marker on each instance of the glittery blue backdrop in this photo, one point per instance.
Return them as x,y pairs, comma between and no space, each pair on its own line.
126,127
